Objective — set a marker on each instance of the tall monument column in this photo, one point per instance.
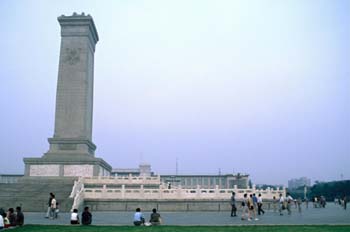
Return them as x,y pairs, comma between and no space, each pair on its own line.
74,100
71,150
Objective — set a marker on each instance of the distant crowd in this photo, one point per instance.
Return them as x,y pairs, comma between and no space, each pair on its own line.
253,205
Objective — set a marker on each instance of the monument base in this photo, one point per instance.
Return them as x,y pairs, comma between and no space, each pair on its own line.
66,165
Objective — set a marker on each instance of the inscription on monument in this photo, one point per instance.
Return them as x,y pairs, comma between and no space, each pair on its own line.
67,147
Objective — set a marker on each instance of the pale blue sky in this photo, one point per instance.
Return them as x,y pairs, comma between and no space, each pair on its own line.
258,87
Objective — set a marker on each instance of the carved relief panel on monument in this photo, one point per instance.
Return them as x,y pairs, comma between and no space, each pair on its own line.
73,56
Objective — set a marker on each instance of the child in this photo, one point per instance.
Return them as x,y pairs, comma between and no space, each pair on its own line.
74,218
57,210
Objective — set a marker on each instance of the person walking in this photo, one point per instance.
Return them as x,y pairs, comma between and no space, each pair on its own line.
53,207
274,204
289,203
345,202
245,211
233,205
299,204
49,206
260,203
281,204
251,208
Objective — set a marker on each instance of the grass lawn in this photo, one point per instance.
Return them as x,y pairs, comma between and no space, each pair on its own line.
306,228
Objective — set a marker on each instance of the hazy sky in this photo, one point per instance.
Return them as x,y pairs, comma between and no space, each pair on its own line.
258,87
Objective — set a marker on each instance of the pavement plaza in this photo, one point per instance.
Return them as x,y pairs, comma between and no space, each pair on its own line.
332,214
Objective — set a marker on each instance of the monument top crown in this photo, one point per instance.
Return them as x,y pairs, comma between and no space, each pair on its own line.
78,20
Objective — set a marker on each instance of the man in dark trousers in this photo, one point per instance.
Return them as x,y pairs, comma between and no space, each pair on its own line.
233,205
86,217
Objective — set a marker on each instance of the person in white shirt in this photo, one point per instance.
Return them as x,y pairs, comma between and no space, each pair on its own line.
53,207
289,203
260,210
74,218
138,218
1,222
281,204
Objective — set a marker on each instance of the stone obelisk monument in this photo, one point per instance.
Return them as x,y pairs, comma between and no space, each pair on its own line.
71,150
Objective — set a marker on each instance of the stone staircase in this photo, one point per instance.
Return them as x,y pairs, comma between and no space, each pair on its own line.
32,193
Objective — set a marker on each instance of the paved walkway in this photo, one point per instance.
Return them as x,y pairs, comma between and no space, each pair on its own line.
332,214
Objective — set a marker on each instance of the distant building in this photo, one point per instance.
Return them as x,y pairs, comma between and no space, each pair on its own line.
9,178
225,181
143,170
296,183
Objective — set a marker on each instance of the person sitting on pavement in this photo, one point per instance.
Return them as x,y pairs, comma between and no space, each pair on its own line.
138,218
74,218
1,222
11,217
19,216
86,217
155,218
6,221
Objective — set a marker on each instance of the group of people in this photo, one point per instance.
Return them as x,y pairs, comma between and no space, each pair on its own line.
154,220
341,201
53,210
250,206
53,207
319,202
10,218
86,217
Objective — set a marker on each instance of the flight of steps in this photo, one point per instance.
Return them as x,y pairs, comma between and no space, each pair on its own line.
32,193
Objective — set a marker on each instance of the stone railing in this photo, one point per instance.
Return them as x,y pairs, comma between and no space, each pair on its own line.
178,193
127,180
78,184
77,193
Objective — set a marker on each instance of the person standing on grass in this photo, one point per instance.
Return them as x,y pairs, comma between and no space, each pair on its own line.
233,205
